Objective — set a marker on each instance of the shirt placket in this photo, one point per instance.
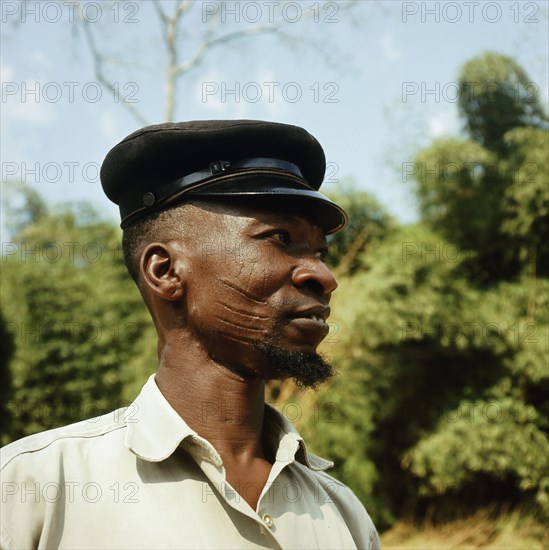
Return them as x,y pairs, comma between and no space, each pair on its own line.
211,464
267,509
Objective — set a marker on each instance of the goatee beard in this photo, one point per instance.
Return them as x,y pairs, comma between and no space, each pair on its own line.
308,370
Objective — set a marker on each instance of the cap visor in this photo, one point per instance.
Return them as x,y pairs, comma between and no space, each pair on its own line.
268,193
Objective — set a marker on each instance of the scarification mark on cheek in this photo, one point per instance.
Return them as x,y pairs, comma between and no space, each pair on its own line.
243,292
239,325
242,312
264,283
240,339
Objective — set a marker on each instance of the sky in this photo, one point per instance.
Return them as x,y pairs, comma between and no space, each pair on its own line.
374,83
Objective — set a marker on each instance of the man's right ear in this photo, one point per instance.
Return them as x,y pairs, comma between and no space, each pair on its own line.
161,272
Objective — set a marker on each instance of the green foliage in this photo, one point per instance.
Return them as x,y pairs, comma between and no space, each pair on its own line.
489,194
458,180
7,347
496,95
526,200
341,430
368,222
499,439
75,317
21,206
502,435
444,334
422,354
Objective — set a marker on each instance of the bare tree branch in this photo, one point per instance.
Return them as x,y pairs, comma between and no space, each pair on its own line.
161,13
171,38
171,35
208,44
183,7
98,62
212,38
353,250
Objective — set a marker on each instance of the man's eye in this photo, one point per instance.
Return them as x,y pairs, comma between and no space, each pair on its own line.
282,236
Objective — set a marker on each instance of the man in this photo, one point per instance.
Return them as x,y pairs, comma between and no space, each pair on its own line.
225,237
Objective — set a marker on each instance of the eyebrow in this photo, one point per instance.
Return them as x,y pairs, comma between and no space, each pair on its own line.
277,218
273,219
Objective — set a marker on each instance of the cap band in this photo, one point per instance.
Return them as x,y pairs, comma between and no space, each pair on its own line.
132,206
220,166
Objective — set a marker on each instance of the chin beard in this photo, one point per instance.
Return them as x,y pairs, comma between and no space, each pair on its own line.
308,370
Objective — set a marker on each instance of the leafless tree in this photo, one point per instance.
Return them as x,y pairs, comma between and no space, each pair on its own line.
213,31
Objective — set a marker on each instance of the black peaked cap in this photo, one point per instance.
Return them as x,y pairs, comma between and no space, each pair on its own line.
264,163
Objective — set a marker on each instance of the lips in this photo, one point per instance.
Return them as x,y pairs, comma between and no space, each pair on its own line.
317,313
307,326
315,318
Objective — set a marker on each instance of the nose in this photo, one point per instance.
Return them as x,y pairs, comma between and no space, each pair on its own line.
315,275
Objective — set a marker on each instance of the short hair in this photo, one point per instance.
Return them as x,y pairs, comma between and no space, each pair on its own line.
161,226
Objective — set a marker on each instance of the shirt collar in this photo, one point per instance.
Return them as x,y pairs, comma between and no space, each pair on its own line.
281,431
155,430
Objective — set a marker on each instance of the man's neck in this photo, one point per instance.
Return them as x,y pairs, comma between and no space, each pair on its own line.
222,406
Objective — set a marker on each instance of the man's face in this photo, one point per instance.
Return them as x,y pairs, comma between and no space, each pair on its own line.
257,291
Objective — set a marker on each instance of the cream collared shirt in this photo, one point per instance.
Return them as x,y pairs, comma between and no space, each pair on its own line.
141,478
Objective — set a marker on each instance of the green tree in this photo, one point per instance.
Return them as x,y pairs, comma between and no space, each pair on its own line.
496,95
444,336
483,193
434,373
491,440
7,347
368,223
77,320
526,201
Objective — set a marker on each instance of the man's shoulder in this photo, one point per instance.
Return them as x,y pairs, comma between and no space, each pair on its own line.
331,491
334,487
56,439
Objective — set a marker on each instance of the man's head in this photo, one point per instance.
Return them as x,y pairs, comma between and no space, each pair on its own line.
237,267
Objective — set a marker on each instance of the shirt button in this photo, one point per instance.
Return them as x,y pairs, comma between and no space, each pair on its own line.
268,520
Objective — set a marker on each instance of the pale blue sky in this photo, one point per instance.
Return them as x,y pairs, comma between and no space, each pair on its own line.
367,130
